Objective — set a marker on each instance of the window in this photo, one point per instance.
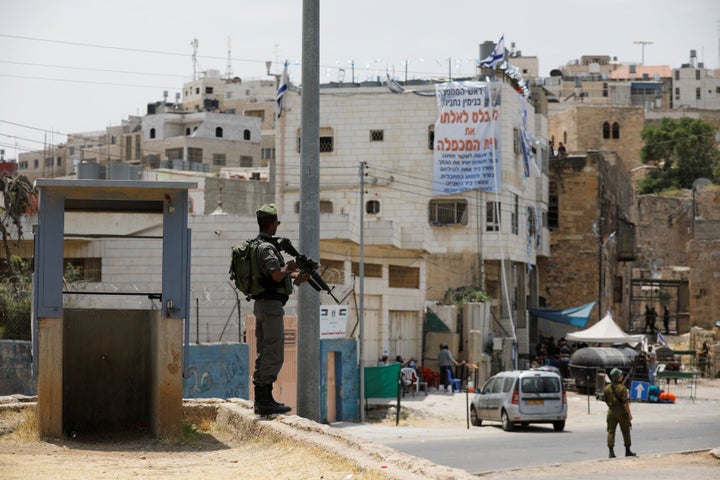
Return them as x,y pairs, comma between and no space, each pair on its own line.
326,144
377,135
83,269
267,154
195,154
255,113
326,140
246,134
112,140
552,214
698,94
197,90
403,277
431,137
447,212
208,89
23,165
138,147
605,89
49,162
606,129
218,132
492,217
677,74
219,159
128,147
246,161
697,74
515,214
373,270
152,133
677,93
615,130
516,140
187,131
326,206
372,207
36,163
174,153
58,161
72,150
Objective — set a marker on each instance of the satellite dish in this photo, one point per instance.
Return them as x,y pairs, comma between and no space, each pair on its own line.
700,183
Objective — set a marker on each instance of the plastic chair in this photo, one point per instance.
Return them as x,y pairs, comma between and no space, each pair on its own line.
410,380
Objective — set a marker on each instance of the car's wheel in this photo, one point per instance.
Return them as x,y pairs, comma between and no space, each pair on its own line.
507,425
559,426
474,419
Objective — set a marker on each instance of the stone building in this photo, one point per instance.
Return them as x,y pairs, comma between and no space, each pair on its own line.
591,220
585,128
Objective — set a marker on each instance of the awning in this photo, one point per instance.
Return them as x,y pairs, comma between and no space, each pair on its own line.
576,316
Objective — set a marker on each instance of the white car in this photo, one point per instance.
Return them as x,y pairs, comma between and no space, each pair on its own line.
521,397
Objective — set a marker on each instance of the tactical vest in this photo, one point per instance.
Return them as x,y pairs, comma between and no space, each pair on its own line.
265,282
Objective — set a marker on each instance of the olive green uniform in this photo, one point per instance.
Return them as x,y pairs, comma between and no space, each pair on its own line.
616,396
269,313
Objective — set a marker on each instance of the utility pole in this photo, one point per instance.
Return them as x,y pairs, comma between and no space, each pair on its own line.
642,43
308,353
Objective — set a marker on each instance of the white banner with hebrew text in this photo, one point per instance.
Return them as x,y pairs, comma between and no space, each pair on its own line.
467,138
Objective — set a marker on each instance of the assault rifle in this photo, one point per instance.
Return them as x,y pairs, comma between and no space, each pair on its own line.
307,266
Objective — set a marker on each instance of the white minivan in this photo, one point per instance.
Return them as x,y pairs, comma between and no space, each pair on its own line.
521,397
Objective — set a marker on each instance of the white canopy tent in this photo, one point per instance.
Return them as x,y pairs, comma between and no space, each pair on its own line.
605,331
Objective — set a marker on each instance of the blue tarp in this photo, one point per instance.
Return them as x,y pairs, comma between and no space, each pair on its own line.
577,316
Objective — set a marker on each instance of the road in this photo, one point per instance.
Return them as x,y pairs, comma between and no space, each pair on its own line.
658,428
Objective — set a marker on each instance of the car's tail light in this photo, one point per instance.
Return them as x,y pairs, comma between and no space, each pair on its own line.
516,397
564,398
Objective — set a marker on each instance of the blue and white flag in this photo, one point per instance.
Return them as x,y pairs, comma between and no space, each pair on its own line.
661,339
497,55
282,89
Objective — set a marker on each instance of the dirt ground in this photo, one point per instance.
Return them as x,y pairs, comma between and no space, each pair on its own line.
234,444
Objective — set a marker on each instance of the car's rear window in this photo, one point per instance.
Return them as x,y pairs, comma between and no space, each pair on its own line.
540,384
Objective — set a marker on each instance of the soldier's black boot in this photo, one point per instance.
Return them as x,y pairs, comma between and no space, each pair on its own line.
628,453
276,403
264,404
612,452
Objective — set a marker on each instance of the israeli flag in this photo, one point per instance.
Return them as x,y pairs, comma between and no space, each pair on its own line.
282,89
497,55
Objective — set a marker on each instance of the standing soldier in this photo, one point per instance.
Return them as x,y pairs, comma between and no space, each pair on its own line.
275,280
616,397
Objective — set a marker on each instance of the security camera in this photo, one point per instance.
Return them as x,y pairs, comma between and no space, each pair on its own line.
217,232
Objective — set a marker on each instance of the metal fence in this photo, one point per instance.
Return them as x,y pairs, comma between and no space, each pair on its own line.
15,315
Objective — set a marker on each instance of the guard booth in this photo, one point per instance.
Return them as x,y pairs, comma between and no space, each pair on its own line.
104,369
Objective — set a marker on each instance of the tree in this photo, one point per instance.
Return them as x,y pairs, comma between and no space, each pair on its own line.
16,193
683,150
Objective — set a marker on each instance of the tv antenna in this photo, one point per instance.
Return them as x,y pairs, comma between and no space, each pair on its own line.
642,43
228,74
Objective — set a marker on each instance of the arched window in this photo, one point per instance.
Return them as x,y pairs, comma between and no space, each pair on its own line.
246,134
606,130
615,130
218,132
152,133
187,131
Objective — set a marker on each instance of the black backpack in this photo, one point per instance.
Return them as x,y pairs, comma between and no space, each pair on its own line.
244,269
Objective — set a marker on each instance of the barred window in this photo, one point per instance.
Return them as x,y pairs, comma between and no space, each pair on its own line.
219,159
327,140
373,270
84,269
195,154
377,135
246,161
515,214
447,212
403,277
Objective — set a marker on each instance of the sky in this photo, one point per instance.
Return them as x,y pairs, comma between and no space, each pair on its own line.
77,65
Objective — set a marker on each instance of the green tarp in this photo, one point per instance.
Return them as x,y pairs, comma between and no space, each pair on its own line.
382,382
